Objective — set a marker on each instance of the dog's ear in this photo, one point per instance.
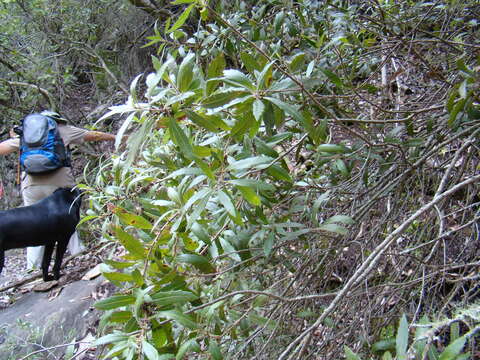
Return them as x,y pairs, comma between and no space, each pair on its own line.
79,194
76,192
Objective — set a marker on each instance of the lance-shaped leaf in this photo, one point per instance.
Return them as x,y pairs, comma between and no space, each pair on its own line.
83,220
180,139
215,70
190,345
402,339
114,302
198,209
257,162
350,354
200,232
453,350
179,98
178,2
175,297
237,78
166,357
110,338
264,148
420,340
131,219
185,320
181,19
133,246
210,122
279,173
279,19
333,148
149,351
123,128
223,97
457,108
265,77
242,125
258,108
185,72
183,172
229,249
342,167
310,67
250,195
120,316
342,219
199,261
250,62
204,166
119,264
216,67
227,203
333,77
214,350
335,228
203,193
268,244
283,84
384,345
202,151
133,88
254,184
117,276
288,109
297,61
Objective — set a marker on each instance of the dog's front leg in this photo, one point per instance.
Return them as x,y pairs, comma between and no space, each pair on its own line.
47,257
2,260
61,248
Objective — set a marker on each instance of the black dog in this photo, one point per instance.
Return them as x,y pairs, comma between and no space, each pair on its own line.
48,222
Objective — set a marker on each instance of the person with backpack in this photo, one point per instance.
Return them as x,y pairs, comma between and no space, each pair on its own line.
43,142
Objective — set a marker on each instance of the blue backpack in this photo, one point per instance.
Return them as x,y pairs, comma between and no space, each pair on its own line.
41,148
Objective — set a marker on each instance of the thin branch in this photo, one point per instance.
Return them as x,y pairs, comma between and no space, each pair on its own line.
368,265
53,348
46,94
254,292
86,49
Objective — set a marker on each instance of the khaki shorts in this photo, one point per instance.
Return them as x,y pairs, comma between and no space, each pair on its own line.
35,193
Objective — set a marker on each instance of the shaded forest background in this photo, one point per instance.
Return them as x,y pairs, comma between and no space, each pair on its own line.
300,178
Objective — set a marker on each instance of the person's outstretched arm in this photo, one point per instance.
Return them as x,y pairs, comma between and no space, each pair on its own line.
6,148
98,136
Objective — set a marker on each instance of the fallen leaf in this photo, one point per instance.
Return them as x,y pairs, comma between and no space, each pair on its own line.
92,273
46,286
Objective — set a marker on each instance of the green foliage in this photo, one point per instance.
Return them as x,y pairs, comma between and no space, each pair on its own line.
251,178
424,343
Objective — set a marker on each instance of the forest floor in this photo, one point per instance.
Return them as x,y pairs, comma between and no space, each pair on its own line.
15,271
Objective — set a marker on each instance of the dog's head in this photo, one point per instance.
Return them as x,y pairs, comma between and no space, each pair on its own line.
73,197
77,193
69,193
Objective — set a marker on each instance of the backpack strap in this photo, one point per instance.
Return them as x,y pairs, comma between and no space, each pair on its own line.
19,166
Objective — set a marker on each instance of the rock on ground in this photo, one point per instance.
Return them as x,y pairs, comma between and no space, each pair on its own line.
38,321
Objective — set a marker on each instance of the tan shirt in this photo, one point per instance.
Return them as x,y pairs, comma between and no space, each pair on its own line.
62,177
